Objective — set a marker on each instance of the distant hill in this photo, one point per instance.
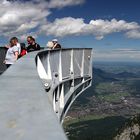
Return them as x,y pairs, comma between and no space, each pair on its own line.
99,76
102,76
126,75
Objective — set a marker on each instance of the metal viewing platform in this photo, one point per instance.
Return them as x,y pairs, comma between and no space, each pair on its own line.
37,91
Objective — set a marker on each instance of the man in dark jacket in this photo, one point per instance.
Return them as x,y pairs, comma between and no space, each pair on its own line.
33,46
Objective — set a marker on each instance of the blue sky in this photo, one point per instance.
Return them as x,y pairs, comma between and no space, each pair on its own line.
103,9
111,28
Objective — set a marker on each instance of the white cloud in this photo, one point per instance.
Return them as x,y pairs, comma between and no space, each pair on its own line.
107,26
117,55
63,27
23,37
98,28
5,2
19,18
135,34
63,3
126,50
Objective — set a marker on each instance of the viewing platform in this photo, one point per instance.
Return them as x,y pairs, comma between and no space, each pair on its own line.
37,91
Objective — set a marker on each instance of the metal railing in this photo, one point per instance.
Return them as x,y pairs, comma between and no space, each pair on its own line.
65,74
30,109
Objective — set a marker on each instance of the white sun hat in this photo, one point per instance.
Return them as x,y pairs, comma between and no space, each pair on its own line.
49,44
54,40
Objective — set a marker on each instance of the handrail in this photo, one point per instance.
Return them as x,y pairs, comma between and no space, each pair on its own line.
27,109
57,68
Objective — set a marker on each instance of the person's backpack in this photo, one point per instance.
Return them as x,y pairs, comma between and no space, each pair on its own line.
23,50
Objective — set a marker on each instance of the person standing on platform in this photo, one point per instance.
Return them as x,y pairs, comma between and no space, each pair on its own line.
12,53
33,46
16,43
56,45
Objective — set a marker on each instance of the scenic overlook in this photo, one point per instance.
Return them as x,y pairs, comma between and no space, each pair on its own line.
110,107
69,70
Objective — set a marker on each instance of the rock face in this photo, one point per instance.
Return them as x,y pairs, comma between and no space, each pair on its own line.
130,131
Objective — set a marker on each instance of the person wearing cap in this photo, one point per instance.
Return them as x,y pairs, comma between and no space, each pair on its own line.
56,45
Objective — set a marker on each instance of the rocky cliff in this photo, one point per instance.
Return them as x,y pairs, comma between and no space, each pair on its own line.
131,130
